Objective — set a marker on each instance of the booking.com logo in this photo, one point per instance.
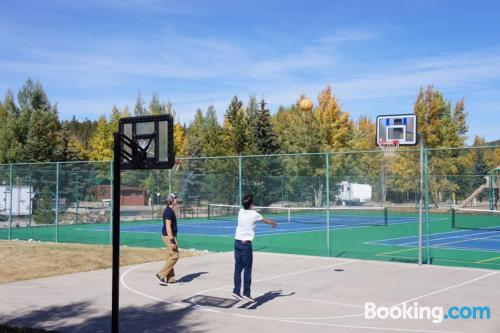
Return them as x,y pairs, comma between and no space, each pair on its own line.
435,313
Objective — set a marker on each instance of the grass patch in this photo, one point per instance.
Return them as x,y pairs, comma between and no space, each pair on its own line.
22,260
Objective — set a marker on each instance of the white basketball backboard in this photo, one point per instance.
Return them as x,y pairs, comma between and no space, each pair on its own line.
397,127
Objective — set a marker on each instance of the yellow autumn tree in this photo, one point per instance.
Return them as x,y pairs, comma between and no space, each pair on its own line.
335,126
180,141
440,127
101,143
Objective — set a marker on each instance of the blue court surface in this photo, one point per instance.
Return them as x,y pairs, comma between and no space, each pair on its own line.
478,240
296,224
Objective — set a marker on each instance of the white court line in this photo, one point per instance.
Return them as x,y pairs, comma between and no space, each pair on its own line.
377,262
449,288
438,233
454,242
463,237
299,320
414,243
444,248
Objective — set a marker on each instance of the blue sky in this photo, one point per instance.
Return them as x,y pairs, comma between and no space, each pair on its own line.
91,55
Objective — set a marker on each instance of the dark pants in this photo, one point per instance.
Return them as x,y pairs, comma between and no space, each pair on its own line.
243,258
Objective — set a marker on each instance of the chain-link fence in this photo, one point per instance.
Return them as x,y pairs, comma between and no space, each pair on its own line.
356,204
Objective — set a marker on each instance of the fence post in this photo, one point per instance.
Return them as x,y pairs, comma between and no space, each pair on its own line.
420,202
282,191
426,168
77,197
10,201
57,201
240,180
169,180
327,175
31,200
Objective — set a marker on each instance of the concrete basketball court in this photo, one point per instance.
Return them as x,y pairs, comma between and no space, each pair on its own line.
292,293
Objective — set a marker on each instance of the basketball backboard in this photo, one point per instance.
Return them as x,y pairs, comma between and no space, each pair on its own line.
398,127
147,140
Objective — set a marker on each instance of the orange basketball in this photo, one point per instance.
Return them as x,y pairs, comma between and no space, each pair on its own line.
305,104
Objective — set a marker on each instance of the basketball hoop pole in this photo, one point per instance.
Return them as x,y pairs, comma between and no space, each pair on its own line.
115,288
132,151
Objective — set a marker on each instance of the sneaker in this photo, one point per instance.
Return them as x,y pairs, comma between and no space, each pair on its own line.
237,296
248,298
163,281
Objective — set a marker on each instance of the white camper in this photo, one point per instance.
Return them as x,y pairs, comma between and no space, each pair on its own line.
21,203
354,194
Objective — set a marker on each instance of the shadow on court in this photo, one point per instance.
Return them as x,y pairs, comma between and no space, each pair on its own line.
132,319
267,297
191,277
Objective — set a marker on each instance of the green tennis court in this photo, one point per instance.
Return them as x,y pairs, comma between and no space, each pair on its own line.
396,240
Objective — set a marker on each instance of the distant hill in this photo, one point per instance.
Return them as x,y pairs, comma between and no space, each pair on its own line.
494,143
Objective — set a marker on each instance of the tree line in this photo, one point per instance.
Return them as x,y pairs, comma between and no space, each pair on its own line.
31,131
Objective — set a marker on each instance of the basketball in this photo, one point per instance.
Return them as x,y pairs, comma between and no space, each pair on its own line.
305,104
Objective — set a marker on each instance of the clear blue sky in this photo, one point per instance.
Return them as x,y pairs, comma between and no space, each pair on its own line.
90,55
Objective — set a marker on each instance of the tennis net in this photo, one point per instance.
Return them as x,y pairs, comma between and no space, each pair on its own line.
470,218
307,215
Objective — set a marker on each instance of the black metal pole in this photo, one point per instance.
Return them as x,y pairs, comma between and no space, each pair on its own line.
115,289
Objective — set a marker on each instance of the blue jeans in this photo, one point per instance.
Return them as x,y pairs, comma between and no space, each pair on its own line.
243,258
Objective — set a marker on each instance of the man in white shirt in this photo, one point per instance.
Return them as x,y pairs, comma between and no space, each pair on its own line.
243,252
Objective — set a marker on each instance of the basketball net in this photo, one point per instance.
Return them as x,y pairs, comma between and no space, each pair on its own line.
389,147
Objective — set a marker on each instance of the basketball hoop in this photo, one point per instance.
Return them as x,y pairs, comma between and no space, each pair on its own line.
389,147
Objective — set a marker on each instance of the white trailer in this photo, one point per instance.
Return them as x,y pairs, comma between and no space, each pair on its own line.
21,200
354,194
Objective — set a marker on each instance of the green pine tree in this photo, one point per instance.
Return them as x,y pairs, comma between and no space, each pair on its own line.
43,212
39,122
155,106
139,109
265,137
236,128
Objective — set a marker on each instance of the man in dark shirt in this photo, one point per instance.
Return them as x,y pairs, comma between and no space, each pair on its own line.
169,235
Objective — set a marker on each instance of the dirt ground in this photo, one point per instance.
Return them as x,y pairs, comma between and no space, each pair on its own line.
21,260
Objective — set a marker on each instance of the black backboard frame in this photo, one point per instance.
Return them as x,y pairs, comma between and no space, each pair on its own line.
148,163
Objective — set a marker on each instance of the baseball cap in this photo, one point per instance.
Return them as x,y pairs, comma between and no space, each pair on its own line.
171,196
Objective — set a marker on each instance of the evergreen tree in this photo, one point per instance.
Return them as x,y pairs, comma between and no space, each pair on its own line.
196,135
169,108
139,109
39,119
155,106
70,149
43,212
236,128
10,136
81,131
265,137
213,136
263,175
